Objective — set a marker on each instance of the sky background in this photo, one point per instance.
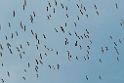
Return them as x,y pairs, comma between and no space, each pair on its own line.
100,28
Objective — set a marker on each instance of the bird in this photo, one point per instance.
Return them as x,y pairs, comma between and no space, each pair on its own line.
34,14
76,43
87,31
77,17
56,52
38,41
2,80
65,24
100,60
58,66
80,47
66,7
120,23
6,37
87,51
24,28
55,2
44,36
45,53
95,6
18,49
37,75
49,66
102,50
44,46
88,47
84,8
23,7
12,35
81,12
84,58
37,47
75,24
77,5
100,77
51,49
1,47
81,5
87,15
25,2
75,33
24,78
56,30
25,70
62,29
117,58
23,51
66,41
8,45
21,24
31,18
110,37
20,56
106,48
88,57
67,15
13,13
69,33
78,37
10,51
116,5
53,10
86,77
21,46
119,40
53,67
49,4
28,64
40,56
28,43
76,57
47,9
90,41
16,33
62,5
115,44
36,61
81,37
41,62
9,24
36,68
97,12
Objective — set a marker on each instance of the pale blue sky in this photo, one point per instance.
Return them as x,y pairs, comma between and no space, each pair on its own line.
100,27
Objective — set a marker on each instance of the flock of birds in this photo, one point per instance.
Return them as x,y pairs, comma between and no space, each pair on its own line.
86,36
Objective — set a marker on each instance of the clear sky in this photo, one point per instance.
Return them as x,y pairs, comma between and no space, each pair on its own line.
98,66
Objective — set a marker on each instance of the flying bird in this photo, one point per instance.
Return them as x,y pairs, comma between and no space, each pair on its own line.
95,6
24,78
97,12
44,36
13,13
116,5
86,77
8,73
76,57
2,80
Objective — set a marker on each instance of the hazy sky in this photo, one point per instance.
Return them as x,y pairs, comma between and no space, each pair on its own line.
100,27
